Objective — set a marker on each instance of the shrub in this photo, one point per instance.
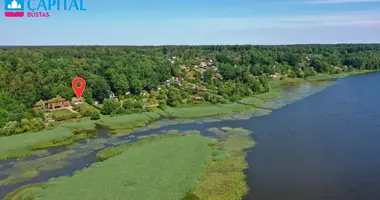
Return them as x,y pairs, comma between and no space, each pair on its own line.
95,115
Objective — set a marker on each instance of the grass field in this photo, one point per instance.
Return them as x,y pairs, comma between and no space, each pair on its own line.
130,175
83,107
62,113
22,145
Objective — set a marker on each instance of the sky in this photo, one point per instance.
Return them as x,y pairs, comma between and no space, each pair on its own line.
199,22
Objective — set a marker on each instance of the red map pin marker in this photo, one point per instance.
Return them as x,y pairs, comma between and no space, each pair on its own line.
79,89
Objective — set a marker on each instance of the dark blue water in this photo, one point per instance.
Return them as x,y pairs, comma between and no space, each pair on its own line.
326,146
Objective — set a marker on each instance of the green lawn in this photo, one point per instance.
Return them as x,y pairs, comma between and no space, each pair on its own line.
16,146
83,107
63,112
162,170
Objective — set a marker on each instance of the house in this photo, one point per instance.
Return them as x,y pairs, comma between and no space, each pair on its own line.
203,64
96,102
52,104
75,100
217,75
49,119
200,89
178,80
127,92
112,95
275,76
198,98
209,63
167,83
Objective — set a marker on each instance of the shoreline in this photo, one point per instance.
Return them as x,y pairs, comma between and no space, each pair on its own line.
125,124
203,182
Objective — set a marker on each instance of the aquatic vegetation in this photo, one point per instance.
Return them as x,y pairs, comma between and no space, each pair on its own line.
123,124
19,177
48,163
95,144
61,142
236,107
121,142
41,153
78,124
141,137
190,132
27,192
197,112
173,132
252,101
17,146
114,151
135,177
269,95
224,178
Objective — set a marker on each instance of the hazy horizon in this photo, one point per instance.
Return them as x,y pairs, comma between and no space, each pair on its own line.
225,22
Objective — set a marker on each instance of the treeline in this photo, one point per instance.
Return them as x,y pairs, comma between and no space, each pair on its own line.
33,73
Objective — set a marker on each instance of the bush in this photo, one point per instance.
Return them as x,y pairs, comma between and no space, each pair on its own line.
110,106
86,113
66,117
95,115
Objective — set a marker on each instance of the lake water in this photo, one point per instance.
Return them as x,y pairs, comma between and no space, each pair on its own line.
323,146
326,146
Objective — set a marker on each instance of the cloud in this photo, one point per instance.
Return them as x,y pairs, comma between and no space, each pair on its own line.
14,5
339,1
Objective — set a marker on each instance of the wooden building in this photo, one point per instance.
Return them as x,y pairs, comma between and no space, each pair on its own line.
53,104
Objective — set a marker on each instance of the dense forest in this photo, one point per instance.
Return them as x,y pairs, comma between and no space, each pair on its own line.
33,73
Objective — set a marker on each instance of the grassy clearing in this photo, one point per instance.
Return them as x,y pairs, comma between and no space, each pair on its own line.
132,176
17,146
223,178
83,107
252,101
268,96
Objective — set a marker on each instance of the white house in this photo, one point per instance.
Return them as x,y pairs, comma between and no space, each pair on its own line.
112,95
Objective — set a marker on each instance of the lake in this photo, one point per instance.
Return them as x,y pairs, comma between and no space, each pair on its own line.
325,146
318,143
